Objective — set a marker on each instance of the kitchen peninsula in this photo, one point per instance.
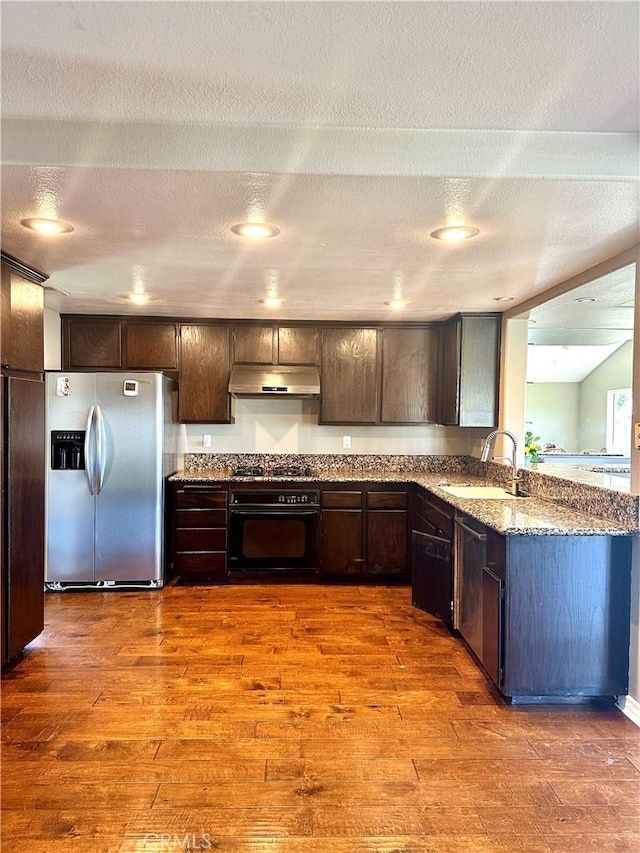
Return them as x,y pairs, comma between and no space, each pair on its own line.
538,589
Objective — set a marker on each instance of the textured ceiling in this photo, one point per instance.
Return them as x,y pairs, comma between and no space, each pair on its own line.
357,128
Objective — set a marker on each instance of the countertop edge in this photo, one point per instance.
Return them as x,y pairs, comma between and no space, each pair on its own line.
539,511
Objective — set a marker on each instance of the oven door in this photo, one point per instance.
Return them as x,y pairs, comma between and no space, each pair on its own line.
273,539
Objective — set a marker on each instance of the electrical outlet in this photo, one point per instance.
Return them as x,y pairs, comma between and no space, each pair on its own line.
346,442
636,435
206,441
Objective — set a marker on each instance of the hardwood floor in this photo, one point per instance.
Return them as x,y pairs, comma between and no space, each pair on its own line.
293,719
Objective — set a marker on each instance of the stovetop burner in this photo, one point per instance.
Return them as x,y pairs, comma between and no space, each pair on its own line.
253,471
294,471
279,471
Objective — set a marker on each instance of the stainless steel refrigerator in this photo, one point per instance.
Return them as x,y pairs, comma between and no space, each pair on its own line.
111,443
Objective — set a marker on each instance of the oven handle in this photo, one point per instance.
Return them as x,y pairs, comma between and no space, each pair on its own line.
289,510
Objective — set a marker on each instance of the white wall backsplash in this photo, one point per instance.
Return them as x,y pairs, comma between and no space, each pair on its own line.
266,425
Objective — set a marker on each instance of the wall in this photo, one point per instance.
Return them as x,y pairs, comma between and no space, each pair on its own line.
291,426
615,372
52,337
631,703
552,412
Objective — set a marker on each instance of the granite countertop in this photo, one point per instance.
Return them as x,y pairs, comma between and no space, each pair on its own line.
524,516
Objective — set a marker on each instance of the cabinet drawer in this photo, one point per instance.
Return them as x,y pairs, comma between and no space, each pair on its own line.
200,499
342,500
201,518
201,539
437,517
205,563
387,500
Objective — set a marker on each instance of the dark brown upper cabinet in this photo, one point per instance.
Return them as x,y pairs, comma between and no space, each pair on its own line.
150,346
409,375
91,343
349,383
253,345
22,307
117,343
275,344
204,374
468,370
297,345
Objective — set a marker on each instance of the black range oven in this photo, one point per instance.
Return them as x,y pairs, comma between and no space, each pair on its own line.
274,530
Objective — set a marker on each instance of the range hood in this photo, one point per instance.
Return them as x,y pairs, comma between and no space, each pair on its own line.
262,380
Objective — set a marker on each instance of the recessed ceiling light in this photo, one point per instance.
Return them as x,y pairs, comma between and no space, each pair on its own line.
255,230
455,233
586,299
46,226
272,301
139,298
396,303
503,298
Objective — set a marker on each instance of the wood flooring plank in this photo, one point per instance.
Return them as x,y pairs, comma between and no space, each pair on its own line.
395,820
346,728
416,748
67,823
156,729
491,769
65,845
261,821
89,750
371,844
619,747
192,771
626,792
615,724
340,768
91,795
223,749
350,794
539,820
621,841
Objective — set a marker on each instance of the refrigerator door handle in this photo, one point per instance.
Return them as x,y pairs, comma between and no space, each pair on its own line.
101,444
89,450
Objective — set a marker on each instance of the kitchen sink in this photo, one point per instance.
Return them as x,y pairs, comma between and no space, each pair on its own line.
480,492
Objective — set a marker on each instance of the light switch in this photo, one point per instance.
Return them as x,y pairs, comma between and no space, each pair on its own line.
636,436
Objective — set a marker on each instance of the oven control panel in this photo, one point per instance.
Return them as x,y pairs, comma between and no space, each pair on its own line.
271,497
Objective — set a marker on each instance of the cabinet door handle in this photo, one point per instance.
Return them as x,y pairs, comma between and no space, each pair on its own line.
480,536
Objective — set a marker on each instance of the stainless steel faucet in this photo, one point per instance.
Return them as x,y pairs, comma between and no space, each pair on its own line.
486,449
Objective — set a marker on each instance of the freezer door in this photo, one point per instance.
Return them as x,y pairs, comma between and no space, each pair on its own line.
130,504
69,507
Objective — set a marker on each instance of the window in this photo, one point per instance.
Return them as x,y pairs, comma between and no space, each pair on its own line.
619,421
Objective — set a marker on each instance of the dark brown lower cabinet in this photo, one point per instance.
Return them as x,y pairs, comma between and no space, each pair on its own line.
387,543
23,472
364,533
199,542
492,624
341,525
566,616
431,524
387,534
548,616
431,574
